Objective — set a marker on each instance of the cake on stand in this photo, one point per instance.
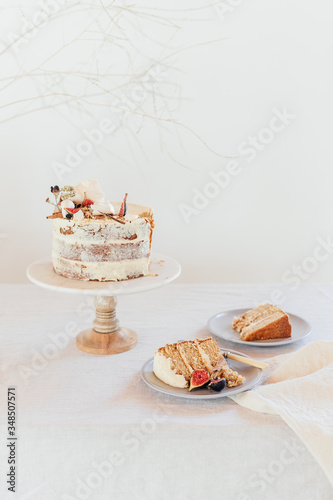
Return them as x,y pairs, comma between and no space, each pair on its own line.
106,336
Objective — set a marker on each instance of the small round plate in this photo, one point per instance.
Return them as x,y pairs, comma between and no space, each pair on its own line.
221,326
252,375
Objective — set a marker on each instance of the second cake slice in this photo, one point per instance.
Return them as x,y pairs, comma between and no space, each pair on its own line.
262,323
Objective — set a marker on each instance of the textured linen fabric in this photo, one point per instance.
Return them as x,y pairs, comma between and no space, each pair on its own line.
89,428
300,390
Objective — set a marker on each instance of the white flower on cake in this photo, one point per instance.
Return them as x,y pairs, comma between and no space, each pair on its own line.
66,204
78,216
102,207
90,189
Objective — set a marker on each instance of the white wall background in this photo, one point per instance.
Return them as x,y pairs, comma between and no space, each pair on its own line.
270,217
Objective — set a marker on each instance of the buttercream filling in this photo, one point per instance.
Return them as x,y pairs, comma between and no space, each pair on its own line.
103,271
163,371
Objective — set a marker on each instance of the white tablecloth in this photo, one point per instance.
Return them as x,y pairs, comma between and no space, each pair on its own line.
88,427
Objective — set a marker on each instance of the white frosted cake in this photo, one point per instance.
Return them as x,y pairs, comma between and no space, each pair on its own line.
97,240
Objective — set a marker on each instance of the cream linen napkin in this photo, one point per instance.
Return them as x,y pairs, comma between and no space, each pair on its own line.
300,390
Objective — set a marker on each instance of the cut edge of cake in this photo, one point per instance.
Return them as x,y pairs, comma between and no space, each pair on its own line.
175,363
264,322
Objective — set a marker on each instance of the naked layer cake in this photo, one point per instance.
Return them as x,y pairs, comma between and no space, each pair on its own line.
262,323
98,240
175,363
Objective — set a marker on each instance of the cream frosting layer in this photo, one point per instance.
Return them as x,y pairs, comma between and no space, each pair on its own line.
101,271
163,371
95,231
102,252
103,249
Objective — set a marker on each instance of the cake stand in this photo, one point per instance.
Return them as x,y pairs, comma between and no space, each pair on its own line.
106,336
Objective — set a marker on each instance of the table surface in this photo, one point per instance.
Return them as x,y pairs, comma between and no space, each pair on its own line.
88,427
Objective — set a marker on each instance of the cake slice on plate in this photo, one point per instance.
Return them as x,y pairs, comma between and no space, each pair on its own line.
262,323
175,363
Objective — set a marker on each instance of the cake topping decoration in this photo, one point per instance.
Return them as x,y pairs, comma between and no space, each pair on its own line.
55,191
78,215
65,204
123,208
89,190
67,192
73,210
86,201
114,218
102,207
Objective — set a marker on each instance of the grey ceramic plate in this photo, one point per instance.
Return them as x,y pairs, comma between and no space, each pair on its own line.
252,375
221,326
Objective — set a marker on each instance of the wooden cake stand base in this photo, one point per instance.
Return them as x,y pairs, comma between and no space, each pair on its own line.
106,336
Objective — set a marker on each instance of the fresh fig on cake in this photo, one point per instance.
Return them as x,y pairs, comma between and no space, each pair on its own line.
199,378
123,208
217,385
87,202
72,210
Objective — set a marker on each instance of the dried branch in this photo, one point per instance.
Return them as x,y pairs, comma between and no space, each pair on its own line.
116,62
